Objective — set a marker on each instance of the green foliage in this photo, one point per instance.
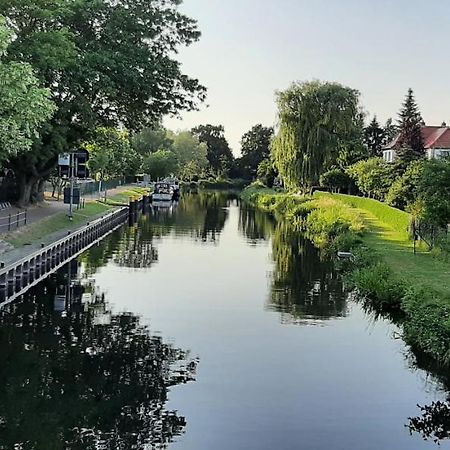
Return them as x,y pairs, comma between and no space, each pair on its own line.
376,282
433,191
373,177
160,164
409,144
150,140
255,148
315,119
323,220
403,191
266,172
330,219
335,180
188,149
218,151
390,131
222,184
24,104
428,324
374,138
111,154
106,63
394,218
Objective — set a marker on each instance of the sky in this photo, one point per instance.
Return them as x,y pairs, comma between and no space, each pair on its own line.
250,49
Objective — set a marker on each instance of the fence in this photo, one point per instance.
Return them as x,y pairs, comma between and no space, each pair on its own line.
91,187
12,221
16,278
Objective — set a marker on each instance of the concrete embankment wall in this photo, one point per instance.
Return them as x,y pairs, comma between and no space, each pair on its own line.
19,276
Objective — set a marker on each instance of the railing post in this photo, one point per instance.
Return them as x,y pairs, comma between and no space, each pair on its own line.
17,220
9,222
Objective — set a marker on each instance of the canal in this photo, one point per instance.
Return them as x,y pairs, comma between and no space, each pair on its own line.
205,326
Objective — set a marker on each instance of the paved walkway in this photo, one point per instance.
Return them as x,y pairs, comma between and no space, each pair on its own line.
35,213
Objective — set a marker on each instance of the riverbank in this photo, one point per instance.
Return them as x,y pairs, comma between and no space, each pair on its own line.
51,228
385,272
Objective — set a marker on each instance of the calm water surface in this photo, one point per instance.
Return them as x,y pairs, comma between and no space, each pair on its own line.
204,326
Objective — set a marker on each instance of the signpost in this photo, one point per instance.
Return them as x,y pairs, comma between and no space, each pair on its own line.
72,166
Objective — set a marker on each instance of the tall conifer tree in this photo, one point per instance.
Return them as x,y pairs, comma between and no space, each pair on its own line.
410,141
374,137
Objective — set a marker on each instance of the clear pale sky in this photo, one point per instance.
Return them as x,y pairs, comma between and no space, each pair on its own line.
251,48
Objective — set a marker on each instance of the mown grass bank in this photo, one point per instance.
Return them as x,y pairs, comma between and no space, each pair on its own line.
385,272
36,231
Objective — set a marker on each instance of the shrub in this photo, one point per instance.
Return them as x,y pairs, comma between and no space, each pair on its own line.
373,177
377,283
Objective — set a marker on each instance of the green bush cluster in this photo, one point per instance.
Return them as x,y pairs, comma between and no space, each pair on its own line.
326,222
425,315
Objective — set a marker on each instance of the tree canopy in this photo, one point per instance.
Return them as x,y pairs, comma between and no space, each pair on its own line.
373,177
160,164
111,154
24,104
314,118
410,141
105,63
218,151
255,147
374,138
151,139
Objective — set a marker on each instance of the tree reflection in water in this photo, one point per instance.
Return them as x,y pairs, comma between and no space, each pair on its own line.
303,286
433,421
255,225
77,376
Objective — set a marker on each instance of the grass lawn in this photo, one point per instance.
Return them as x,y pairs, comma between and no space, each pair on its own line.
42,228
123,197
387,234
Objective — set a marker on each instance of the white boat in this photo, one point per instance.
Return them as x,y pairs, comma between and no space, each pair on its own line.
175,186
163,192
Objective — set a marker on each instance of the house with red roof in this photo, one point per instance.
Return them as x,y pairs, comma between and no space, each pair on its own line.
436,141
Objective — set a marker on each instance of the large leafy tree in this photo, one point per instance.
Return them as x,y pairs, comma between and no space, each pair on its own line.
314,119
373,177
189,149
410,141
219,153
433,192
111,154
374,137
255,147
160,164
105,62
150,140
24,104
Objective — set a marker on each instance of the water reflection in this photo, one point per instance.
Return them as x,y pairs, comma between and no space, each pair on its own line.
303,286
255,225
76,375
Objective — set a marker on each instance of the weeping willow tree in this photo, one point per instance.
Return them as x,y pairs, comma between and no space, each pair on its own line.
315,118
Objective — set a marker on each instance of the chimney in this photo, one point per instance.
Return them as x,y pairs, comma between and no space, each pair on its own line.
444,125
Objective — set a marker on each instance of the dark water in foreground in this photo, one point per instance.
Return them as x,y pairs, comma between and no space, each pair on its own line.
205,326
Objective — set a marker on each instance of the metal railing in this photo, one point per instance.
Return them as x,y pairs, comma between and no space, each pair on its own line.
19,276
13,221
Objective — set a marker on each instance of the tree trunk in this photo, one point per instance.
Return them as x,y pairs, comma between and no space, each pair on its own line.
37,195
25,184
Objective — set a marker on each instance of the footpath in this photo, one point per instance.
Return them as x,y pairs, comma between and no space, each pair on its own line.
49,221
